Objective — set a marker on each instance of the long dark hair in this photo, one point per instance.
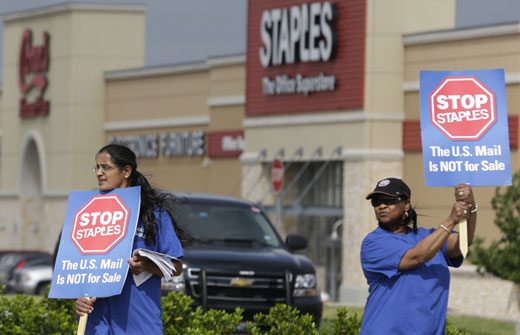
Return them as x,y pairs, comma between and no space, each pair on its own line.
411,219
123,156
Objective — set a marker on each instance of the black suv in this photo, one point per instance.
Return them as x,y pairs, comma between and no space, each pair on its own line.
237,259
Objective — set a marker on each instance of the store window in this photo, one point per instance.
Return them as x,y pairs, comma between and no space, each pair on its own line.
312,206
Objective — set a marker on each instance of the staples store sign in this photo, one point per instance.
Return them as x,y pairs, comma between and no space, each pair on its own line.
188,143
33,66
304,56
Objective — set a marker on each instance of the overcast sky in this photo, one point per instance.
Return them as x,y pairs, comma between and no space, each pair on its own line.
472,13
177,31
180,31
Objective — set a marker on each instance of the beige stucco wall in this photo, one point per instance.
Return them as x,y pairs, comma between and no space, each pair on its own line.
31,223
306,132
79,53
157,97
60,146
387,21
485,296
227,80
1,135
179,94
226,117
465,53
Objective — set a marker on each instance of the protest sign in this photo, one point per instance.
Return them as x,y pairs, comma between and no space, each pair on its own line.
464,129
96,241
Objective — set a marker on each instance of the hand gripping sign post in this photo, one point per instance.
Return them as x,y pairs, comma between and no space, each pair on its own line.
96,241
464,131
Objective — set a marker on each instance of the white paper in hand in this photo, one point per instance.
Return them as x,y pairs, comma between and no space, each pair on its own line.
141,278
162,261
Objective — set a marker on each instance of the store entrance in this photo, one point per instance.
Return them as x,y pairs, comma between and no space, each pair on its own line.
324,236
312,206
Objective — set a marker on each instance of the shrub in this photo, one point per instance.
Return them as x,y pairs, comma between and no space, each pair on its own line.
26,315
179,317
346,324
281,320
502,257
177,313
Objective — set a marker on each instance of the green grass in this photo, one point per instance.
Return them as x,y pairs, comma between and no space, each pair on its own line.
481,326
473,325
329,314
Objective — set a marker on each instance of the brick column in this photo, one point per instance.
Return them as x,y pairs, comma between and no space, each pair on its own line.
359,178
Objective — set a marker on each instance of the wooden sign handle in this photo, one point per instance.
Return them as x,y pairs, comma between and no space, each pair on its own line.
463,237
82,325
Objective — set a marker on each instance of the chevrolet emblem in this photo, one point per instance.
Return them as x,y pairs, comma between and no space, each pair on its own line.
241,282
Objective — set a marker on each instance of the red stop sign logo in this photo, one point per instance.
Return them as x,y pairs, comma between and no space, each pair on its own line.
277,175
463,108
100,224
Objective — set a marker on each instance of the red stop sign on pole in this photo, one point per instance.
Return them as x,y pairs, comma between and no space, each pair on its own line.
277,175
100,224
463,108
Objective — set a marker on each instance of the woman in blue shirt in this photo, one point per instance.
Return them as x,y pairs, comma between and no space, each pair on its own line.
137,310
407,267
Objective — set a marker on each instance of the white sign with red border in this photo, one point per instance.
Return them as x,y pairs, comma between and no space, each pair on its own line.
277,175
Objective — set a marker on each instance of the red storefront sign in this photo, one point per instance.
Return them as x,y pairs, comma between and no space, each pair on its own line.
305,56
463,108
228,143
33,66
100,224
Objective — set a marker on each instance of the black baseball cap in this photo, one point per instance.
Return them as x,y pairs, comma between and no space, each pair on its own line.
393,187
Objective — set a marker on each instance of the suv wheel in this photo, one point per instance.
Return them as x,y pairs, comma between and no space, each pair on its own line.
41,288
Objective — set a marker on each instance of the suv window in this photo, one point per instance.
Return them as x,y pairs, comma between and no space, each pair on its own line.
8,260
38,260
217,222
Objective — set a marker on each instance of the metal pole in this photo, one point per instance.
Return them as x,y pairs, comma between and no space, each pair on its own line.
332,282
278,211
335,243
288,293
204,289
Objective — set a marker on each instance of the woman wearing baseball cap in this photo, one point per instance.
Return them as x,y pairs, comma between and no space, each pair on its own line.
406,267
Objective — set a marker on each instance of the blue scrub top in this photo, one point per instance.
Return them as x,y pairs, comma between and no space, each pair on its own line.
404,302
137,310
